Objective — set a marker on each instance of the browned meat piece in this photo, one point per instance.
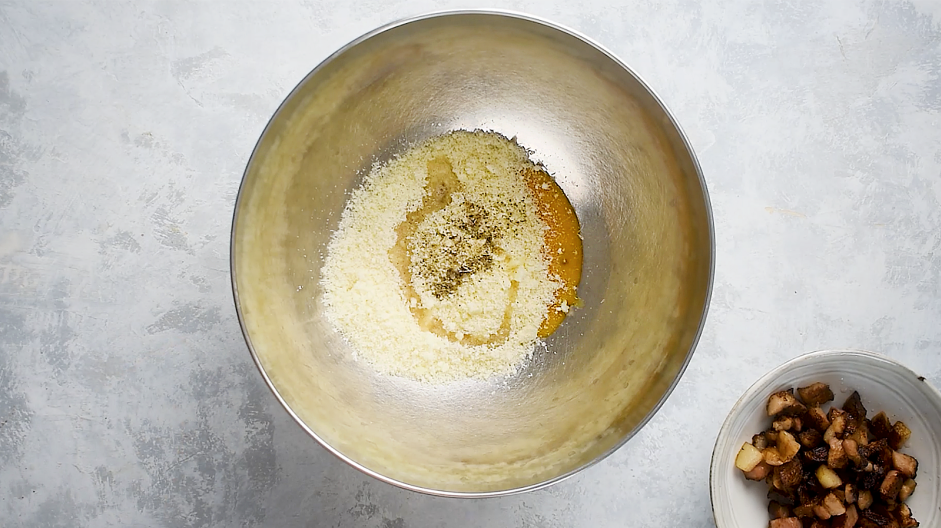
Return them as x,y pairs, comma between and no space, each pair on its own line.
815,394
905,464
786,449
759,472
748,457
810,438
908,487
818,454
899,435
784,423
852,453
871,477
828,478
834,505
817,523
821,512
804,510
784,402
905,517
817,419
850,494
787,522
880,426
836,457
760,441
891,485
838,419
798,424
778,510
789,474
772,456
864,500
861,434
855,408
869,518
848,519
877,452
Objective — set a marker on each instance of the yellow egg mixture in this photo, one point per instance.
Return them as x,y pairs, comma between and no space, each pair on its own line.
453,259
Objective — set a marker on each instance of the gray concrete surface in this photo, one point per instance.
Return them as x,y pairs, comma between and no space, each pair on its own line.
127,396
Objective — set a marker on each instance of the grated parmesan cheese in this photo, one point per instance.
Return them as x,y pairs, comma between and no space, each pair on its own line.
436,271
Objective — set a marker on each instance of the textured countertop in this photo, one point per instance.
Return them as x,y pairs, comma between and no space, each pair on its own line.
127,395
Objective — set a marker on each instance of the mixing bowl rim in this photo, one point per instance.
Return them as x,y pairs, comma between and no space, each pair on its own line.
673,122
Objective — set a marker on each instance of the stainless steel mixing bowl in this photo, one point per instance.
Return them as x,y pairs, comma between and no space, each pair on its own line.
620,158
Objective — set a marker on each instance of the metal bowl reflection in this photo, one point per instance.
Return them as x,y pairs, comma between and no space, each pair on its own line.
620,158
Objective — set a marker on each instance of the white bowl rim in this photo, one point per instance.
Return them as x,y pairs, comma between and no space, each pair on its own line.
760,383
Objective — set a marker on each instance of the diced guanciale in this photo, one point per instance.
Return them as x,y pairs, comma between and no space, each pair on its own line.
784,402
833,469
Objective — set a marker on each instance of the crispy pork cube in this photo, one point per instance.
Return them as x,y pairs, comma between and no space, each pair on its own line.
838,419
908,487
871,517
906,465
815,394
748,457
778,510
861,434
788,446
759,472
810,438
899,434
788,475
784,423
817,419
804,510
821,511
852,453
854,407
817,454
880,426
836,457
760,441
834,505
784,402
850,493
905,517
848,519
786,522
772,456
891,485
852,516
877,452
845,520
864,500
817,523
870,477
828,478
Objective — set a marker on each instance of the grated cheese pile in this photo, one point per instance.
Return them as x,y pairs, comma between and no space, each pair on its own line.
436,271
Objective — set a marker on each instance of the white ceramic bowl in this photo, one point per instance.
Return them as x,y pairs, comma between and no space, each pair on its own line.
883,384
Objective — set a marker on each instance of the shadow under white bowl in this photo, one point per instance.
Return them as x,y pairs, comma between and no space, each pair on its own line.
883,384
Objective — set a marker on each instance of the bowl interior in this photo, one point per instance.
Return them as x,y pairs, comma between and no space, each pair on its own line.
884,385
622,163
